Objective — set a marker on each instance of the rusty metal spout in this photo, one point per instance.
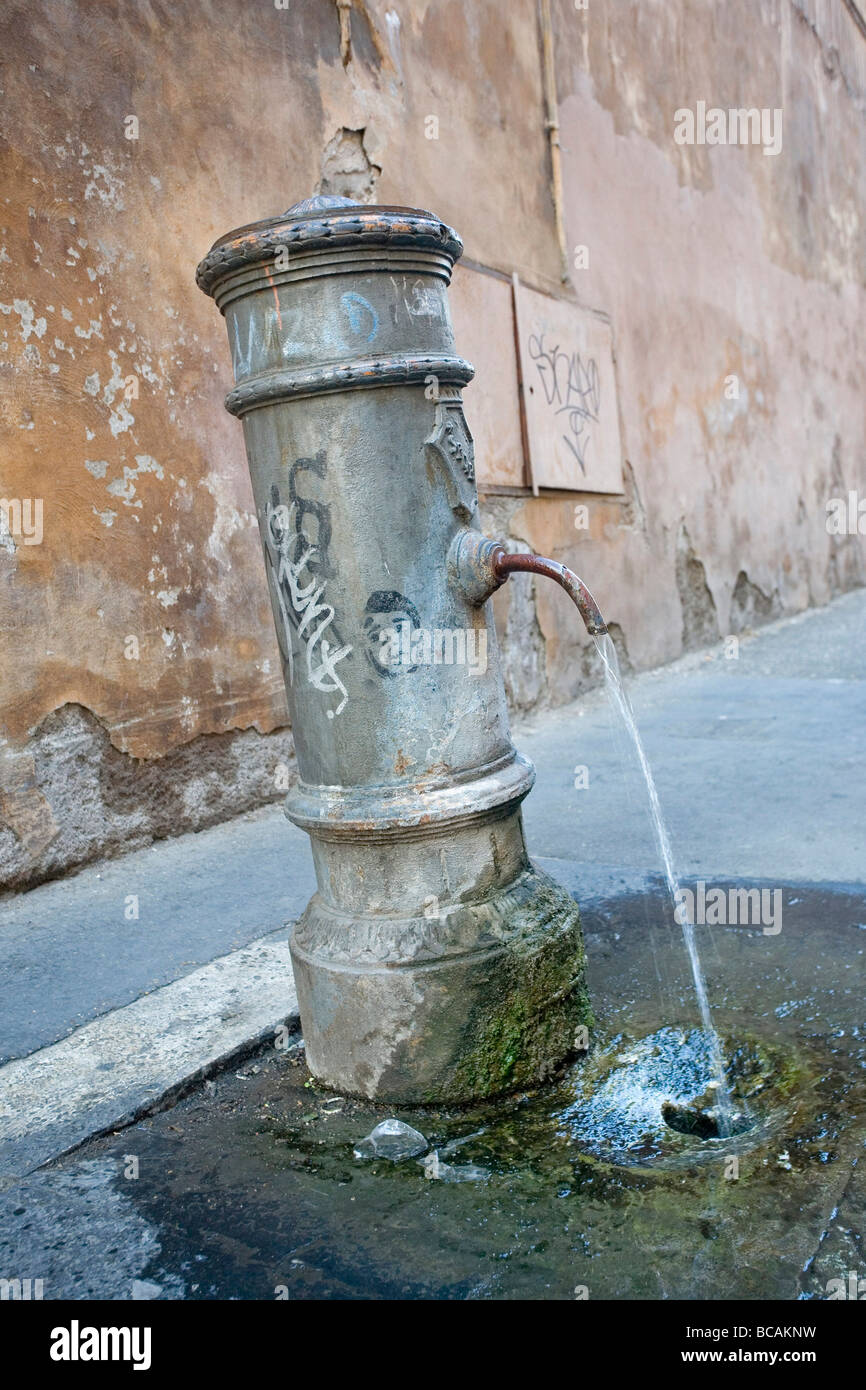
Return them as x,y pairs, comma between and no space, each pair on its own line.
479,566
505,564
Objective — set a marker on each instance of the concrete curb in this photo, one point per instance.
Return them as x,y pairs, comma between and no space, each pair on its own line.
141,1058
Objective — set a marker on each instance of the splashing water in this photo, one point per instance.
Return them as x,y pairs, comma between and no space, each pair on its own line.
617,694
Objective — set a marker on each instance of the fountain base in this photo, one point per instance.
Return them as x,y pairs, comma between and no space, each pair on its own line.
483,998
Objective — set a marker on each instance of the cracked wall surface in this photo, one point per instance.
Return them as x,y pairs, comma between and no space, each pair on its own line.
736,287
71,796
140,686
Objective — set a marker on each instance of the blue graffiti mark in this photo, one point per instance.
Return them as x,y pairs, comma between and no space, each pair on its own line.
357,308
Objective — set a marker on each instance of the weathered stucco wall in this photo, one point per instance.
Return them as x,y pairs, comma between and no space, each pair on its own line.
140,692
712,262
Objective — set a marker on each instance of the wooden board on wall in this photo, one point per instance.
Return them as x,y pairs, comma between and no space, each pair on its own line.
569,394
482,312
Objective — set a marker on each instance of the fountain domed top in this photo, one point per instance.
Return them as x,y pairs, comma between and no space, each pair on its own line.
328,222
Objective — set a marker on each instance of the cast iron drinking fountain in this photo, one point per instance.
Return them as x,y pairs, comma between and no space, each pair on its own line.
435,962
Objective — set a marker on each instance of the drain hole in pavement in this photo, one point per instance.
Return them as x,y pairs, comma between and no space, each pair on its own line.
685,1121
703,1124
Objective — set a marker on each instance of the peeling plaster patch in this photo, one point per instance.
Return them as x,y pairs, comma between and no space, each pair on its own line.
633,513
700,621
95,327
146,370
23,807
525,672
347,170
106,802
29,322
168,597
7,540
146,464
106,517
91,384
120,420
124,487
98,467
104,185
750,606
115,381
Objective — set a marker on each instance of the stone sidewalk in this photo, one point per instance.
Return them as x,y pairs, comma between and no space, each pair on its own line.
761,768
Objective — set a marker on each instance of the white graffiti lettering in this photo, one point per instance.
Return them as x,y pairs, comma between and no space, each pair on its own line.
290,554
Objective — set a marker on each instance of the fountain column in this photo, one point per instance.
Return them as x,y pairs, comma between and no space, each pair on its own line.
435,962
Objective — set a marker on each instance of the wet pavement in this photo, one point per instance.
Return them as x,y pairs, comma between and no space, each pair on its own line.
609,1183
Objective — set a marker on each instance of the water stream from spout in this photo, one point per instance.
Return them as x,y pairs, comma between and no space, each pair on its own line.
505,563
622,704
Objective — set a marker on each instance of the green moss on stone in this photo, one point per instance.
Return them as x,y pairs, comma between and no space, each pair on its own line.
526,1031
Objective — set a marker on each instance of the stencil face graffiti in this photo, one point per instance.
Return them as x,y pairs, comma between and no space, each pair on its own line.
385,609
297,571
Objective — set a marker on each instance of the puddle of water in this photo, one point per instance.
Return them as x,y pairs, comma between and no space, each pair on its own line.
253,1185
653,1099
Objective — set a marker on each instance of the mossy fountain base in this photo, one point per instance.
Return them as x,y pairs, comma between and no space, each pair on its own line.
538,1195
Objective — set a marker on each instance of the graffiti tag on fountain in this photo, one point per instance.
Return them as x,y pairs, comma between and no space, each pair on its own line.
571,389
297,572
